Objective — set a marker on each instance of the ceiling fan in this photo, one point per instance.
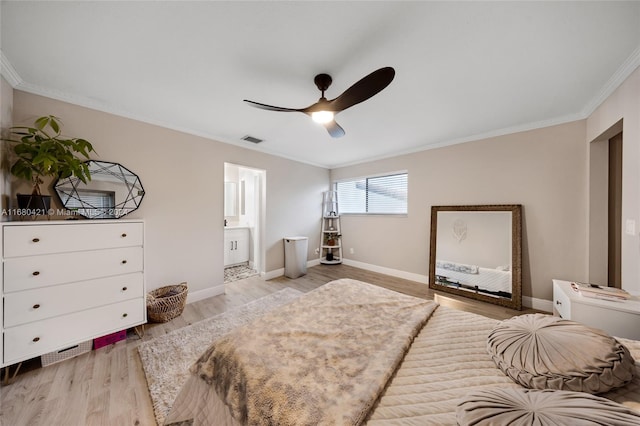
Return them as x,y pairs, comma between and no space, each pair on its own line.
324,110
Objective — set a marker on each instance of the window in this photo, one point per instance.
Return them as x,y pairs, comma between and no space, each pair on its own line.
93,204
373,195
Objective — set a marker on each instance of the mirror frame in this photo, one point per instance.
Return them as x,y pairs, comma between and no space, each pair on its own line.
121,208
516,254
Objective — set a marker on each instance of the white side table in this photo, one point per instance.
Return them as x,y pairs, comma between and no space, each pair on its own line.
620,319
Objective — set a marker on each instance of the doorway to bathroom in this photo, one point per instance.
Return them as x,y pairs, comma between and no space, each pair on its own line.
244,201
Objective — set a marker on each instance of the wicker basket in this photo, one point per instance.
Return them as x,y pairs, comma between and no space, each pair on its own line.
166,303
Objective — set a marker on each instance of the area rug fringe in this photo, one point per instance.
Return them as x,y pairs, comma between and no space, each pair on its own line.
166,359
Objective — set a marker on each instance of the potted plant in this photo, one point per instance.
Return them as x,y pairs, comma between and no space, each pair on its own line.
332,239
42,151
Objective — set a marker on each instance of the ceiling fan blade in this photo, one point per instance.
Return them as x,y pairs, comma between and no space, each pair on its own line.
271,107
334,129
363,89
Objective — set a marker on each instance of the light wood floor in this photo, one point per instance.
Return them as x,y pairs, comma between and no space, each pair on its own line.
108,386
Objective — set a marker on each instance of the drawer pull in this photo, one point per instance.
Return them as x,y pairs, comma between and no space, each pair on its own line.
36,339
36,306
558,302
124,315
124,261
124,289
36,273
124,235
36,240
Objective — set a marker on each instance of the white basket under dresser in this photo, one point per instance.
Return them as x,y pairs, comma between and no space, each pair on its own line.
66,282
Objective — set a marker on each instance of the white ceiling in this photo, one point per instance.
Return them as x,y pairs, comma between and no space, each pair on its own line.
464,70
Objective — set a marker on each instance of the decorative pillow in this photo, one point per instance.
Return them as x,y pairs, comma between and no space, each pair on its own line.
545,352
519,407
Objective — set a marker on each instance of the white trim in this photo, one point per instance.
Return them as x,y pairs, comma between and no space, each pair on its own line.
280,272
269,275
422,279
8,72
477,137
313,262
381,174
539,304
528,302
621,74
205,294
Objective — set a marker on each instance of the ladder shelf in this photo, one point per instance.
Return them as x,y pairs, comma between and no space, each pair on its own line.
331,236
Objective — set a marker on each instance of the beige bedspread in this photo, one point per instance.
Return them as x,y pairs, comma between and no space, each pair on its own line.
447,360
322,359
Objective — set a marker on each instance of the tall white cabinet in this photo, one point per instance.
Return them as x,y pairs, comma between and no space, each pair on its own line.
66,282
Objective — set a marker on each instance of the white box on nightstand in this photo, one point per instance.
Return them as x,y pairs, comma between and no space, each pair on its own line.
620,319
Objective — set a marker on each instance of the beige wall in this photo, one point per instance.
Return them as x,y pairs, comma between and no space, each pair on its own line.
6,110
545,170
624,104
183,179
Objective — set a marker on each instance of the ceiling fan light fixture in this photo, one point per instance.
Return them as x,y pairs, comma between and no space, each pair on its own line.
322,117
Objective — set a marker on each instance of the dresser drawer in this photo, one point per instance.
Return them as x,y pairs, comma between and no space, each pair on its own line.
27,306
33,339
23,273
30,240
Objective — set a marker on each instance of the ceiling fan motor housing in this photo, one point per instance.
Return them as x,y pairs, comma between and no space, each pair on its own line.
322,81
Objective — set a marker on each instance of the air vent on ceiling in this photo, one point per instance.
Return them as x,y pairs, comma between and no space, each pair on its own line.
251,139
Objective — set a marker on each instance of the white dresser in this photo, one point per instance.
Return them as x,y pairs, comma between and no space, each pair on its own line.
619,319
66,282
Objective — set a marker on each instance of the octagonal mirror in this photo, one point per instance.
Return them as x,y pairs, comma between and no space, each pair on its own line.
112,192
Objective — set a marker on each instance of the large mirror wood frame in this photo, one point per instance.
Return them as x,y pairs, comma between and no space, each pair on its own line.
476,252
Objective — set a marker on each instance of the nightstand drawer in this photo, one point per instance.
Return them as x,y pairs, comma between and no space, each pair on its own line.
33,339
22,273
27,306
44,239
561,303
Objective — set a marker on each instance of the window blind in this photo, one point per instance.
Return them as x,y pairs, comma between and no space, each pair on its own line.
95,204
373,195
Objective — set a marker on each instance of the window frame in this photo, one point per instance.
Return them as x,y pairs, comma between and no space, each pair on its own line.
334,187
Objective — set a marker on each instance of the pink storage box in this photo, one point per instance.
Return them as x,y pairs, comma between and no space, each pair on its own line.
109,339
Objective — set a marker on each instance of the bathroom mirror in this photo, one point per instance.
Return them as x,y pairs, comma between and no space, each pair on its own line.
476,252
230,199
112,192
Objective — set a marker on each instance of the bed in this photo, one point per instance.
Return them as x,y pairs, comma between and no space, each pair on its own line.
443,356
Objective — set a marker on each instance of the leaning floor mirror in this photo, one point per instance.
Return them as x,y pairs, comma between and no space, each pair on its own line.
476,252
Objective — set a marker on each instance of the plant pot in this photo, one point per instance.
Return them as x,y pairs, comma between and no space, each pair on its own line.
35,204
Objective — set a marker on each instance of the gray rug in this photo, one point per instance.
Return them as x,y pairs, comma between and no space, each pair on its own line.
166,359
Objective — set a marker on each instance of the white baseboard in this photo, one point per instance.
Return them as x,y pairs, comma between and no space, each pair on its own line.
527,301
539,304
280,272
423,279
203,294
269,275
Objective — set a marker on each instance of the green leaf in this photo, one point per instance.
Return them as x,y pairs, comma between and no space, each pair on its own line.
41,122
54,124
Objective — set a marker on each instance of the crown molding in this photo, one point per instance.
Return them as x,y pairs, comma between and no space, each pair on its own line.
621,74
9,72
473,138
